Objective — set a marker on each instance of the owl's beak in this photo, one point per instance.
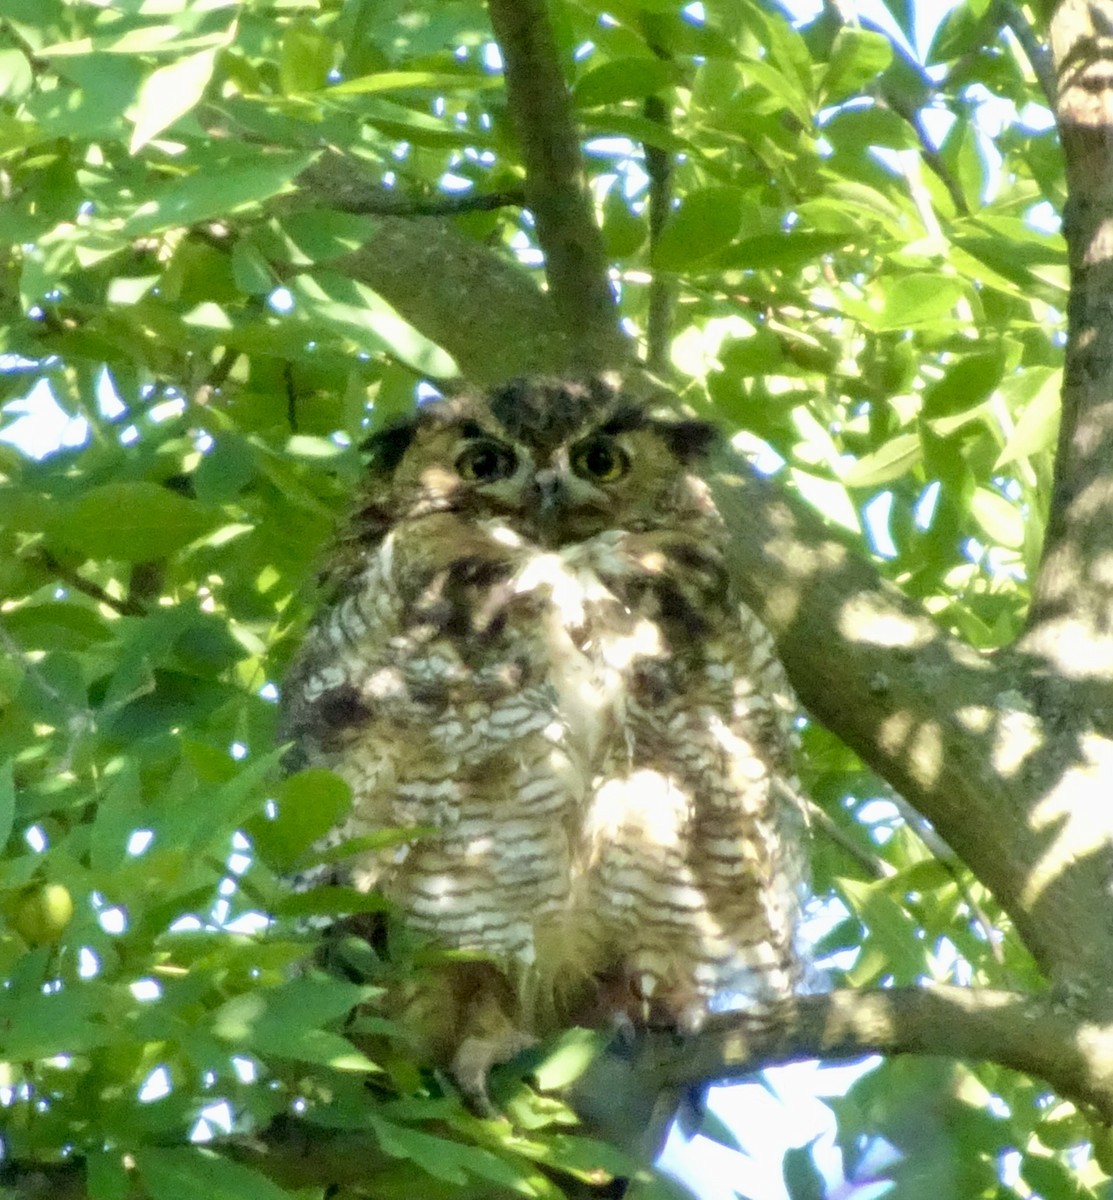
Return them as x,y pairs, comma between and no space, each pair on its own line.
550,496
551,492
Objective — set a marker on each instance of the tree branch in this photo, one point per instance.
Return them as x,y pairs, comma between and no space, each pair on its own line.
387,203
1032,1035
556,191
960,735
484,310
1027,1034
74,579
662,288
1069,623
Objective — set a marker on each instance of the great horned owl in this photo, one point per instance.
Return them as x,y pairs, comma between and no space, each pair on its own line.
529,645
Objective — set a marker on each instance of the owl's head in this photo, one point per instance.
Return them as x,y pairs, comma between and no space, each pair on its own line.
558,460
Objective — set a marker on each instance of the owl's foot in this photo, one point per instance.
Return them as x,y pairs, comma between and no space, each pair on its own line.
489,1032
474,1058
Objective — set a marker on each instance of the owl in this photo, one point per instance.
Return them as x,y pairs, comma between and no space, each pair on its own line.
529,652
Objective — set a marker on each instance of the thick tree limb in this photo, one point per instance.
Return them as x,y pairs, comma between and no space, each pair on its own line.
983,747
1071,621
1028,1034
556,191
484,309
461,296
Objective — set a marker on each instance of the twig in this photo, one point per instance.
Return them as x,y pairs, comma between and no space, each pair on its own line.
70,577
875,867
910,111
385,203
556,191
216,377
1037,53
662,290
942,852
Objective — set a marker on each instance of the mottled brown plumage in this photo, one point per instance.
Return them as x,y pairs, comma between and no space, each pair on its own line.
529,643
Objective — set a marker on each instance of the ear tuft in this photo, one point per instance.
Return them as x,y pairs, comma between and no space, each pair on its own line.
689,440
385,447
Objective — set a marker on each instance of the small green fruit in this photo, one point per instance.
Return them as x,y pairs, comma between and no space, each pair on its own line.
42,912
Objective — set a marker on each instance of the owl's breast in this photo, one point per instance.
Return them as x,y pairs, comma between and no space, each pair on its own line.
592,637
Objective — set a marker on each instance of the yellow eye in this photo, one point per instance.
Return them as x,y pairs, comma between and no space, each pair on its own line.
487,461
601,459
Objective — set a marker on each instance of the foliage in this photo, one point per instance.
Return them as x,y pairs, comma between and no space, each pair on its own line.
865,285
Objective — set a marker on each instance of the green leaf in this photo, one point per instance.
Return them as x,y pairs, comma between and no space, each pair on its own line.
7,802
251,271
623,231
196,1174
57,625
450,1161
858,57
918,299
781,87
892,460
106,1177
118,816
307,57
228,467
381,839
568,1058
306,1002
169,93
1002,520
394,81
215,192
1049,1177
16,76
802,1177
41,1025
373,324
309,237
309,804
240,797
623,79
705,223
965,383
1037,393
890,929
129,522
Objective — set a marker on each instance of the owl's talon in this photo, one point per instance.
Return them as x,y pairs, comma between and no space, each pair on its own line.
624,1031
475,1057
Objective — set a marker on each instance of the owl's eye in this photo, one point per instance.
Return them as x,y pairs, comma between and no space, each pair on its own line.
487,461
601,459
